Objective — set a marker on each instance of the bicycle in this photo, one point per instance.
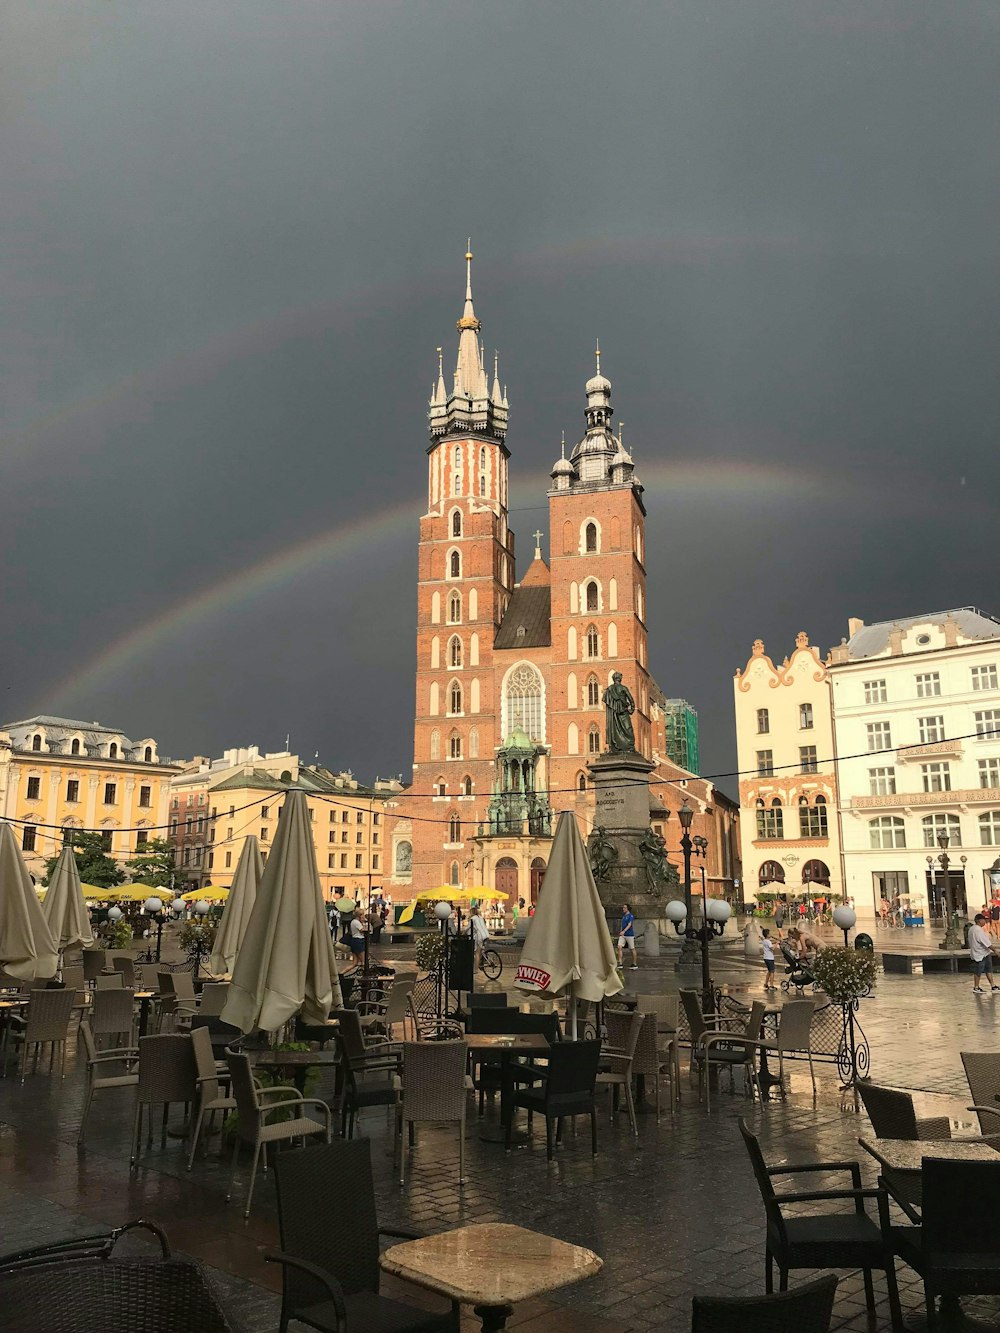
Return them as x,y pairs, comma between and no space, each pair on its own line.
490,964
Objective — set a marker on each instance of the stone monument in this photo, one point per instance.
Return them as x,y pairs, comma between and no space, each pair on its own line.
628,859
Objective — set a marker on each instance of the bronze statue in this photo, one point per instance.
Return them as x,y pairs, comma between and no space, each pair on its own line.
603,853
618,709
659,870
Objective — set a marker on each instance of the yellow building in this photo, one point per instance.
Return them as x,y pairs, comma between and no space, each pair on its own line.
217,805
58,774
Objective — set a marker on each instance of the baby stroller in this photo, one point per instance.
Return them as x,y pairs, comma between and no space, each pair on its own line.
798,975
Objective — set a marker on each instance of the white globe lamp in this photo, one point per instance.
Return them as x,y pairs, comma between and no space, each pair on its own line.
675,911
442,911
844,918
114,913
152,905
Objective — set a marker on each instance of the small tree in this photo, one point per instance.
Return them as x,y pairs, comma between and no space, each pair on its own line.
154,865
93,862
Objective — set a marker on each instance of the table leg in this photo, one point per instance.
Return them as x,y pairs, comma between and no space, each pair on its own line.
143,1017
492,1317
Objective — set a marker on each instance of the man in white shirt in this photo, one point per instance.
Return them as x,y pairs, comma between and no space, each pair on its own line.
981,953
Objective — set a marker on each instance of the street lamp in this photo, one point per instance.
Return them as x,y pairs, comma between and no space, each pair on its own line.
951,940
714,911
844,918
154,908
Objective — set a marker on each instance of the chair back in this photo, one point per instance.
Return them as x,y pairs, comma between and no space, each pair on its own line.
183,985
165,982
691,1001
245,1092
488,1000
953,1228
529,1025
166,1068
807,1309
350,1037
890,1111
665,1007
795,1025
395,1007
982,1069
572,1068
326,1215
646,1059
775,1222
49,1012
623,1029
111,1012
73,978
109,981
204,1064
213,999
754,1025
93,963
434,1080
493,1021
125,965
89,1045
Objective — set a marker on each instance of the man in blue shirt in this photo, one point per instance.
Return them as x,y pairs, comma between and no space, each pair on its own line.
626,938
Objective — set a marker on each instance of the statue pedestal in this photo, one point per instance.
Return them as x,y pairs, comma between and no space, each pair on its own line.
623,871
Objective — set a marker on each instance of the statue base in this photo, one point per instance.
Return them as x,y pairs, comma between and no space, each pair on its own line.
623,850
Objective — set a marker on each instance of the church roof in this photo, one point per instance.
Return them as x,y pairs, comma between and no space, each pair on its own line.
537,574
526,623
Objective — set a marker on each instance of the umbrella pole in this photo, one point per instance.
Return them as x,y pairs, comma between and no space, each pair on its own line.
572,1014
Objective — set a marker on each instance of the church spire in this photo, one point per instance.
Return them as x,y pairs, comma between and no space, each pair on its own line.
470,407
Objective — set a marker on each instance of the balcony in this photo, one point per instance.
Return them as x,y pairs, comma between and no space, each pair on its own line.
933,750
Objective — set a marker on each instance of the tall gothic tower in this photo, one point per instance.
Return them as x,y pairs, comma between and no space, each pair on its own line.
465,577
597,539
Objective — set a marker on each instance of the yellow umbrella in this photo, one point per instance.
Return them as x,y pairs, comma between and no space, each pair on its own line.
93,891
450,893
207,894
494,894
137,893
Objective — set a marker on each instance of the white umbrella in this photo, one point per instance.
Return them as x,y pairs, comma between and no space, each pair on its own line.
64,908
27,949
568,949
239,905
285,964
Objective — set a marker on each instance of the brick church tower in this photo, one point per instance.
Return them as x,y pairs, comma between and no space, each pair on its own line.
465,578
597,539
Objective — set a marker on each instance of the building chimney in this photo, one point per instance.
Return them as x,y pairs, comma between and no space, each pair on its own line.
853,625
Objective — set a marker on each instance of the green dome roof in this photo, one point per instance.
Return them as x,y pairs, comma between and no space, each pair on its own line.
518,739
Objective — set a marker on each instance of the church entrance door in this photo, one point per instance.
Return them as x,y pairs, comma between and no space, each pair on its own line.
505,880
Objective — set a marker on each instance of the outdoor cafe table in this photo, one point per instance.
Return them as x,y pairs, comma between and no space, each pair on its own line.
906,1155
297,1062
505,1045
490,1266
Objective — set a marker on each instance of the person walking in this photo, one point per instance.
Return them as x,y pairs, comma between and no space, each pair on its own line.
480,934
981,953
626,938
767,945
779,915
375,922
356,941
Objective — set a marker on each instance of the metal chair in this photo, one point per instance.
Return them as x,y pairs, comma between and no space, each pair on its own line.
730,1050
982,1069
211,1097
166,1074
794,1034
126,966
955,1249
433,1089
616,1060
94,963
565,1087
99,1063
252,1121
112,1014
45,1024
807,1309
829,1239
330,1246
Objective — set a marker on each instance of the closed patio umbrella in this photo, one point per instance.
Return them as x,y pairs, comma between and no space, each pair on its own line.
63,907
285,964
27,949
239,905
568,949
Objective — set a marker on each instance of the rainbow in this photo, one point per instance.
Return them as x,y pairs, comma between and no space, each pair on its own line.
316,556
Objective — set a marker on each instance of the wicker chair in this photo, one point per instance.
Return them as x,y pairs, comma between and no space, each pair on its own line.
794,1034
213,999
211,1097
358,1064
893,1117
807,1309
652,1060
616,1060
177,999
725,1049
99,1063
564,1088
94,963
45,1023
254,1106
381,1020
330,1246
982,1069
109,981
73,979
433,1089
826,1240
126,966
166,1074
112,1014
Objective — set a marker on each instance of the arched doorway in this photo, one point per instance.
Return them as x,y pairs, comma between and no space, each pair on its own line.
816,872
537,875
771,873
505,878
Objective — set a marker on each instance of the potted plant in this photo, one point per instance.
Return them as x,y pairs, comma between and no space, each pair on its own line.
847,975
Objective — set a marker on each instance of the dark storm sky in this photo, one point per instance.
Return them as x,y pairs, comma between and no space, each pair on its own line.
232,236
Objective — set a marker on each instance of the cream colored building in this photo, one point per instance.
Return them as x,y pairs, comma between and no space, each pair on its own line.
916,707
789,831
58,774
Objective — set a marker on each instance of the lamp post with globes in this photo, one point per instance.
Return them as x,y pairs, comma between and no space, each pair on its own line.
952,939
714,911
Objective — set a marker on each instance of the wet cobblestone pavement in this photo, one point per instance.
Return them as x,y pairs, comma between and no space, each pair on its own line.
672,1212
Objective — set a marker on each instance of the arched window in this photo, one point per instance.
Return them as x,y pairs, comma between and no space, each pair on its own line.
454,874
812,818
455,697
466,785
816,872
593,691
456,457
454,829
455,609
455,745
593,642
886,831
433,704
593,597
147,754
36,742
523,701
770,820
112,751
482,459
770,873
474,743
75,747
573,739
590,537
934,825
593,739
455,651
581,782
435,744
440,786
455,565
456,522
